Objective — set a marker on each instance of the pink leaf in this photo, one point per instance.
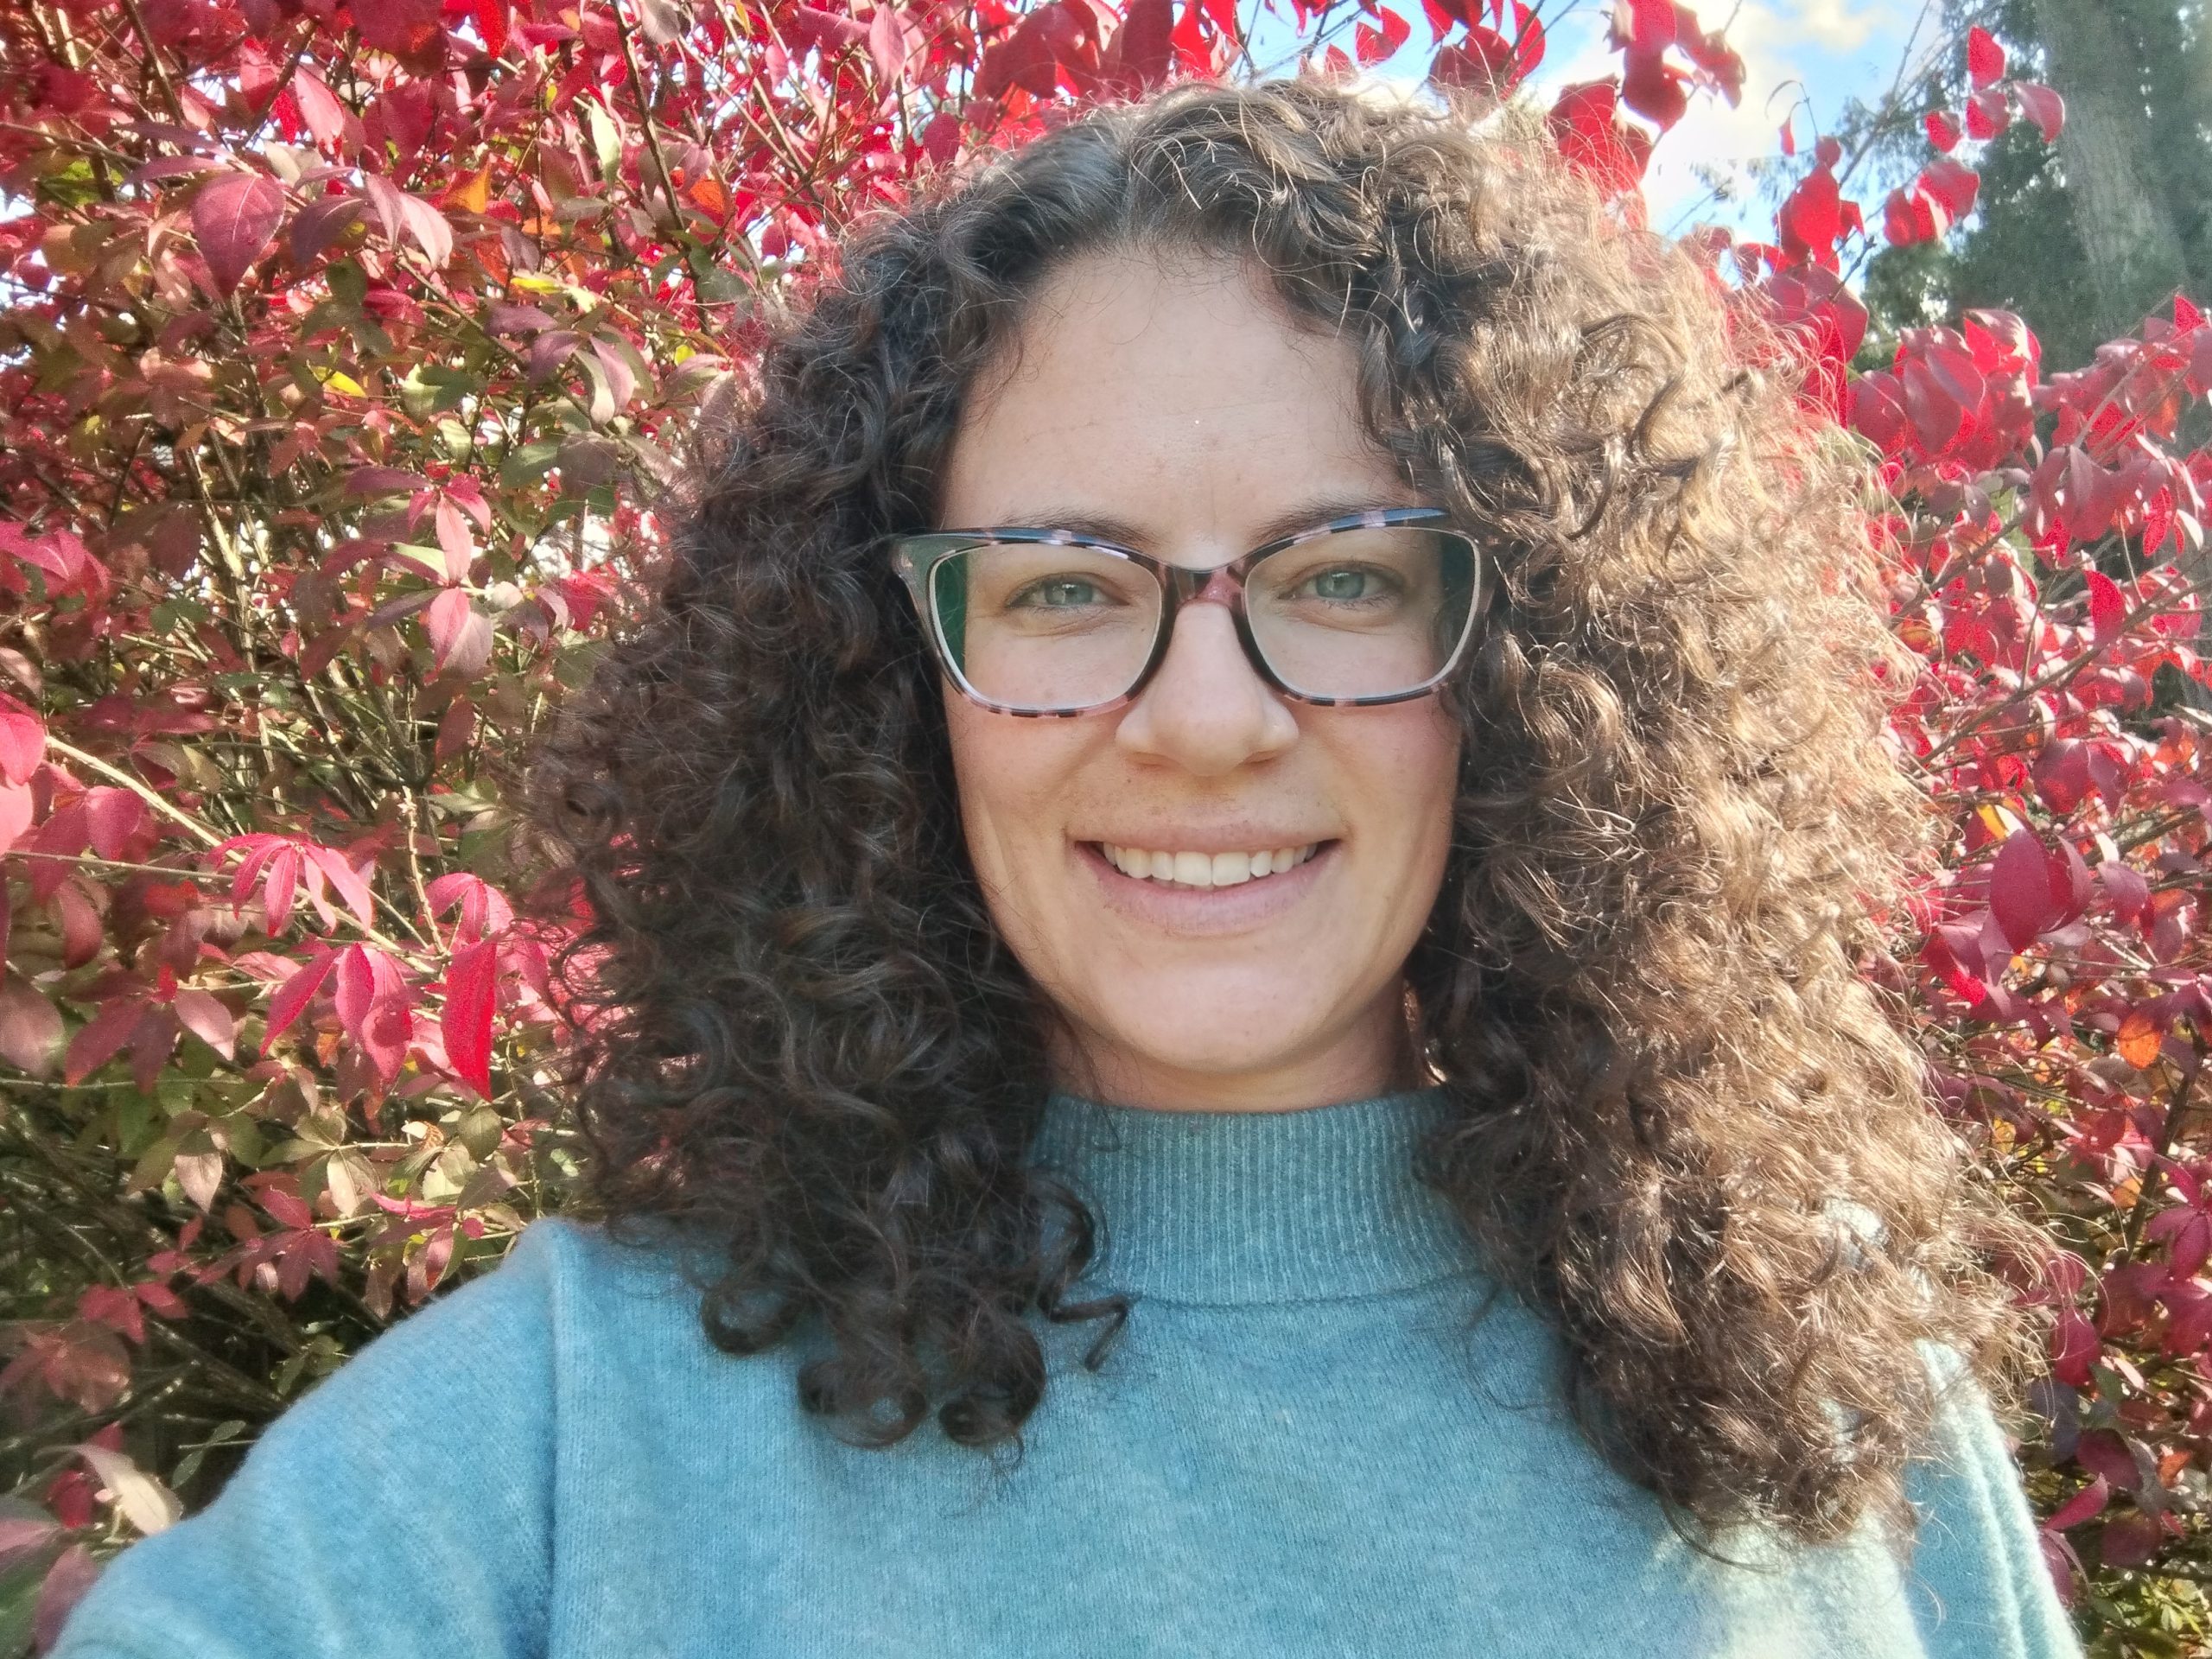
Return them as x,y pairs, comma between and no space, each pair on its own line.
59,1591
30,1027
205,1018
887,45
233,219
319,107
454,542
466,1024
23,741
2043,106
14,813
352,884
460,635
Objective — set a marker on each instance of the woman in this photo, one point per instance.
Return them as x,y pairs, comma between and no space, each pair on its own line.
1223,1006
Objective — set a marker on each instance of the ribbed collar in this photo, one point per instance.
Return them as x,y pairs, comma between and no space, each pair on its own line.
1241,1207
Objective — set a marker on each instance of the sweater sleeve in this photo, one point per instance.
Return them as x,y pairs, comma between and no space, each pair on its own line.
401,1508
1981,1587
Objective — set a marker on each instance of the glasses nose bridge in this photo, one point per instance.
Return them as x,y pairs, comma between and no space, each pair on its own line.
1220,584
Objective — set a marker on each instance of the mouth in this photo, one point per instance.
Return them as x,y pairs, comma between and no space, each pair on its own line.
1205,904
1202,871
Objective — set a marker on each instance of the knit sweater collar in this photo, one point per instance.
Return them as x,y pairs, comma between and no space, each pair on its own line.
1221,1208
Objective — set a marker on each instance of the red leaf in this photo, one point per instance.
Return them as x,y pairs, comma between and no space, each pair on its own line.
1144,47
23,741
1943,131
320,223
233,219
466,1023
1640,27
1988,113
1985,58
2107,606
352,886
1375,45
2074,1345
491,17
293,996
2019,889
1951,185
98,1040
2088,1502
112,819
406,28
1583,126
1653,88
2129,1541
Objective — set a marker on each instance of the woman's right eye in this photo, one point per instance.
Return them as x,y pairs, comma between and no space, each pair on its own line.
1058,592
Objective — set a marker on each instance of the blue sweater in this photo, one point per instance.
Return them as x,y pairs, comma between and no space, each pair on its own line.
1297,1447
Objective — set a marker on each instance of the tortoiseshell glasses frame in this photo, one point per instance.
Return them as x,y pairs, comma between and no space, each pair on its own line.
916,558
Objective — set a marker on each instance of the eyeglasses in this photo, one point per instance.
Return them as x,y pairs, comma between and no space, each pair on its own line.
1374,608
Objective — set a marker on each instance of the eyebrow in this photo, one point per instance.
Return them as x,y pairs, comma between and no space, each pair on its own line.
1306,515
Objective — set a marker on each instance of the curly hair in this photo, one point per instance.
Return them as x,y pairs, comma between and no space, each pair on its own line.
1680,833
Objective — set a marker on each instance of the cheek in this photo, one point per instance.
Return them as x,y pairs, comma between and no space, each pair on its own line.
1401,773
1009,773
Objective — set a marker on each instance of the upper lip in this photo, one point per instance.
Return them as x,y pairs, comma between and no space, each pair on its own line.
1209,840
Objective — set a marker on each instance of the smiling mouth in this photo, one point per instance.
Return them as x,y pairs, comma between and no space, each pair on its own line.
1198,871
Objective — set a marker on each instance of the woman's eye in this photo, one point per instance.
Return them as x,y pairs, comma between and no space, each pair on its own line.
1344,584
1058,592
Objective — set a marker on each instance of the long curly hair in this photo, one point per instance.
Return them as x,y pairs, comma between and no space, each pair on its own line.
1681,837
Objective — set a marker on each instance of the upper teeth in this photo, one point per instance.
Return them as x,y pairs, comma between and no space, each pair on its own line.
1205,869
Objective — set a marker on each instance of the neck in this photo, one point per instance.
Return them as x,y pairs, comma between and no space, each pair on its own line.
1370,1055
1223,1207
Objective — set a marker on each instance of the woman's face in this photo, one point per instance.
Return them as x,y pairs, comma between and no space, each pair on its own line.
1177,411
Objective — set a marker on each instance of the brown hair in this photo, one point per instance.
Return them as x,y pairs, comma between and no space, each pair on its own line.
1687,1128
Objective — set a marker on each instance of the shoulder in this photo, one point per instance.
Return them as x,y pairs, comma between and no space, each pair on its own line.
1982,1585
407,1498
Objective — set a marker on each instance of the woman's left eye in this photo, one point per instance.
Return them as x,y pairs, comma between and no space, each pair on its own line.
1342,584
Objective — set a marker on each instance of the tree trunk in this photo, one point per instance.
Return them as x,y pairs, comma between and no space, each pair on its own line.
2112,182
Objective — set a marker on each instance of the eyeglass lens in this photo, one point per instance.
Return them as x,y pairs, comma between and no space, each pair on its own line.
1373,612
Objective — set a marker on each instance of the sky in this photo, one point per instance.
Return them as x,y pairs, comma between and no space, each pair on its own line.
1804,59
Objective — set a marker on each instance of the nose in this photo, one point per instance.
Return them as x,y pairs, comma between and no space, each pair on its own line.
1207,709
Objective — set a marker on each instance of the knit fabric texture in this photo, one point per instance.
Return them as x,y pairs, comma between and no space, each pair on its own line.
1304,1443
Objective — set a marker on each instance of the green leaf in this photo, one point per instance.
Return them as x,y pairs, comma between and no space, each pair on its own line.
606,139
528,462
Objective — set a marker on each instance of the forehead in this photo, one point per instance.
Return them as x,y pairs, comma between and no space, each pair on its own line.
1178,396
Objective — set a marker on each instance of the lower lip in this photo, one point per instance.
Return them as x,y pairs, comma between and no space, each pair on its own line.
1204,911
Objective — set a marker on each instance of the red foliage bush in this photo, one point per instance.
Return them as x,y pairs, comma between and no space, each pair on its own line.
342,355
